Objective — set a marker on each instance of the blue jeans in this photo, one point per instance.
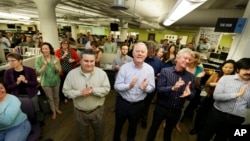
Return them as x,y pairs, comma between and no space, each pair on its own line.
16,133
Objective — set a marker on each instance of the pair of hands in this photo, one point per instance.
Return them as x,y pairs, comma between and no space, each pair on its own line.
242,90
143,85
180,83
87,91
70,59
45,62
21,78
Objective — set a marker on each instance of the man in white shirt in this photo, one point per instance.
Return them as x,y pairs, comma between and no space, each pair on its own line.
4,42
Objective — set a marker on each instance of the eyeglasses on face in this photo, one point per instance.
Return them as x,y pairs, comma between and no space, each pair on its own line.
12,60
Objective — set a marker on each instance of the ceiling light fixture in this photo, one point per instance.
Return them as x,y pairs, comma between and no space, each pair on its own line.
180,9
119,5
13,16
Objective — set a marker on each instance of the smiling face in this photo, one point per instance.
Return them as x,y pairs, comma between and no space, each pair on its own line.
65,45
183,59
244,74
228,68
140,53
45,50
2,92
87,63
172,49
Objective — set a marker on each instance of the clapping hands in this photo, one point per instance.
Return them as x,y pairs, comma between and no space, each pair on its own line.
144,84
178,84
187,91
87,91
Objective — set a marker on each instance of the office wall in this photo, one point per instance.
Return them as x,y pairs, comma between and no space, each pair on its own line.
159,35
226,40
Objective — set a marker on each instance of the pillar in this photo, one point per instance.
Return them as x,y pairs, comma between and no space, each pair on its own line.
74,31
241,43
124,30
48,24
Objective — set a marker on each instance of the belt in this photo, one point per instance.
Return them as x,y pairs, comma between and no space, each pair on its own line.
129,102
228,115
88,112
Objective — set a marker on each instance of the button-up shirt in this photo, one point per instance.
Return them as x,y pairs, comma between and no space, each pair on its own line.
225,96
126,74
167,79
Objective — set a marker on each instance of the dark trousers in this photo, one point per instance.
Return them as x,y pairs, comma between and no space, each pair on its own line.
202,112
148,99
124,111
218,123
63,77
193,104
160,114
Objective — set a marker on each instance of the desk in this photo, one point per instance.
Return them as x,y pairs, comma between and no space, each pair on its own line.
216,61
210,65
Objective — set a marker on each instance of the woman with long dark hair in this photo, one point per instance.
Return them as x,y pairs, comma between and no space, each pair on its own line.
227,68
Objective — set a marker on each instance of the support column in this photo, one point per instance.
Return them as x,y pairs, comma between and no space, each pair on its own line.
74,31
240,46
48,24
124,30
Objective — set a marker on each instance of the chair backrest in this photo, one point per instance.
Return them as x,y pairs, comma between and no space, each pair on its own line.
28,108
107,58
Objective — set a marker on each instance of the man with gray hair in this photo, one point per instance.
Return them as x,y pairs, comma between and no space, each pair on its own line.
132,87
174,86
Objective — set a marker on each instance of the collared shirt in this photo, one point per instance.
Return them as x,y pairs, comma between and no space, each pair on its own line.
50,77
156,63
167,79
109,47
127,73
76,81
225,96
120,61
88,45
6,44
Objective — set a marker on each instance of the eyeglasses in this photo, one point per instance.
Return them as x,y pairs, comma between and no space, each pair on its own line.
12,60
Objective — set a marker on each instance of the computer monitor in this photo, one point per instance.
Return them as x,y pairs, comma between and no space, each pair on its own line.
214,55
223,55
2,56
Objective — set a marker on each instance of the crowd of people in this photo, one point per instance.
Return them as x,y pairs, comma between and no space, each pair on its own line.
168,76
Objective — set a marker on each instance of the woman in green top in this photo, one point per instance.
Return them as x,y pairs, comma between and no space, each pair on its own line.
48,67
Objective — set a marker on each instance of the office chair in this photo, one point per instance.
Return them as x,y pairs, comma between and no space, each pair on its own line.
28,108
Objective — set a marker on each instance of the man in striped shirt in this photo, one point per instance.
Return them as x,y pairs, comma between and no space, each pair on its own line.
232,98
174,86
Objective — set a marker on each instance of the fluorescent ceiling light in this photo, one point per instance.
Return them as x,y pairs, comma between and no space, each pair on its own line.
180,9
13,16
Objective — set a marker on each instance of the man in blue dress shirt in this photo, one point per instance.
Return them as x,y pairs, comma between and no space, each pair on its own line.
134,80
157,65
174,86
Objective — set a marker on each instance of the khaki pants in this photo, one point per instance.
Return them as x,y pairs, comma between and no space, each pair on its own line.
94,119
52,93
